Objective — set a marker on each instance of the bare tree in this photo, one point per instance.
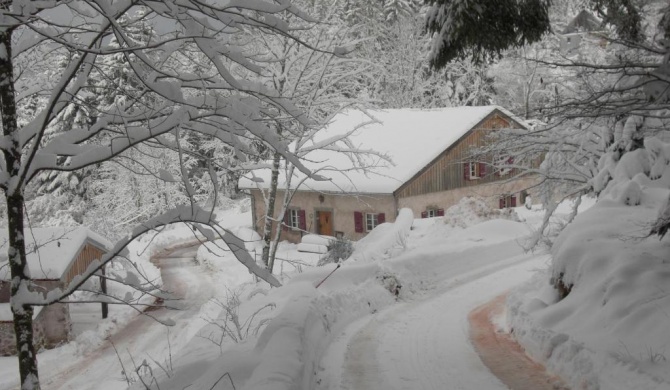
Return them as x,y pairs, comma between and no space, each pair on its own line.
185,84
321,84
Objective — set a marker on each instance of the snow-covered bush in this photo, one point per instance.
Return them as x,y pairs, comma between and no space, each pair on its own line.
391,283
608,308
229,325
340,249
470,211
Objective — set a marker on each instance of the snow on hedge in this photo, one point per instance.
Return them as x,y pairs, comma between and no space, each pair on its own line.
611,330
470,211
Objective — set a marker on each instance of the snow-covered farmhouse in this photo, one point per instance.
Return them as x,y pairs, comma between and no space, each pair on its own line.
423,161
55,257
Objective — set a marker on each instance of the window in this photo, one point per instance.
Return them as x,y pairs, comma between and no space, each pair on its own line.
504,164
365,222
507,201
371,221
432,212
294,219
474,170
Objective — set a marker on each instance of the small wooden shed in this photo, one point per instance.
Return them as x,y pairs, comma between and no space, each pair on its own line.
55,257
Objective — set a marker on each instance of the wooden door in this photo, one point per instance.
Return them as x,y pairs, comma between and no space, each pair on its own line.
325,221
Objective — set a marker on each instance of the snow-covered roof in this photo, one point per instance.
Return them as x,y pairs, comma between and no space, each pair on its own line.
583,22
50,250
410,138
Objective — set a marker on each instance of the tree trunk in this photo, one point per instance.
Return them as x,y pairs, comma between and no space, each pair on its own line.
269,212
16,253
23,315
288,196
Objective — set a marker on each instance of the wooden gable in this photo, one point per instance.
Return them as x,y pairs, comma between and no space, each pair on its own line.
446,171
85,256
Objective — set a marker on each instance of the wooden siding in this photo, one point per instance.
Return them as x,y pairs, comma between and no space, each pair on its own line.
446,171
86,255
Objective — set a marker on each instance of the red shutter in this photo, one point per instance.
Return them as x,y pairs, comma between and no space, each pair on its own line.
302,221
482,169
513,201
358,222
287,220
381,218
501,203
440,212
424,214
466,171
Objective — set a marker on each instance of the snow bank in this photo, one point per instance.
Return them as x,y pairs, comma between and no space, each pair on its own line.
306,320
385,240
293,343
316,239
470,211
312,248
610,329
217,256
315,243
581,363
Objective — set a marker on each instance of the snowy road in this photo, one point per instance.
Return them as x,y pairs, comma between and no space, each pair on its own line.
424,344
143,338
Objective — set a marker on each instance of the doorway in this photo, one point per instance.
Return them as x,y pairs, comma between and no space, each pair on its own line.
324,222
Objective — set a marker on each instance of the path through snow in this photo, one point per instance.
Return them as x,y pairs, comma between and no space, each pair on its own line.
503,355
424,344
144,337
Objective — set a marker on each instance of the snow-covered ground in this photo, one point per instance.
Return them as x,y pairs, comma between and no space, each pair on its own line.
606,325
611,331
353,332
317,337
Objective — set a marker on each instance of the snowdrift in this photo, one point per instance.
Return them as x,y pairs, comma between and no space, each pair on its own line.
610,329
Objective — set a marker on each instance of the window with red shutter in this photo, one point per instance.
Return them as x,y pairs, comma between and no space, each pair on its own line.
424,214
501,203
482,169
358,222
466,171
381,218
513,201
440,212
302,220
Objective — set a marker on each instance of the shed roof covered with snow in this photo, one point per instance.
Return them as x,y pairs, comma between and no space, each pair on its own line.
583,22
404,142
50,251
